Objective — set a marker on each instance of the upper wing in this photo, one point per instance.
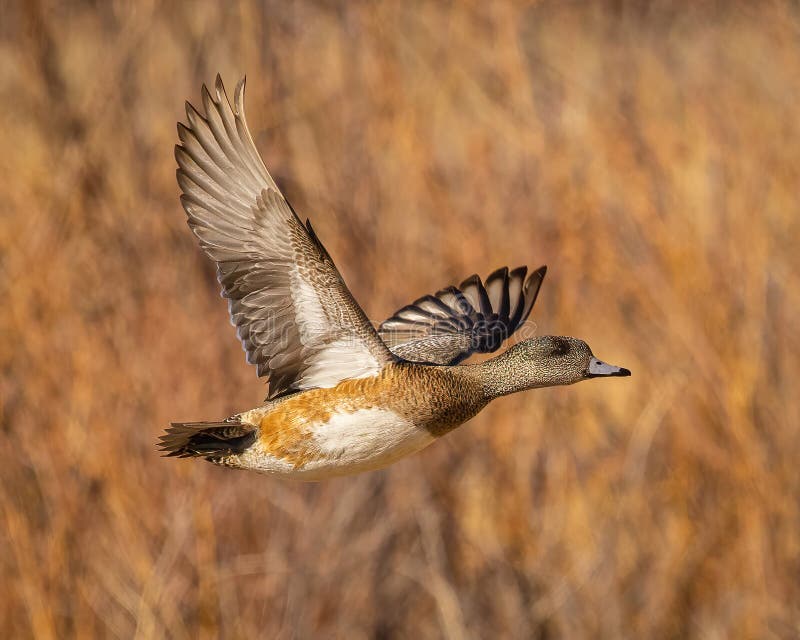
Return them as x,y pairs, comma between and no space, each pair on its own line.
456,322
293,312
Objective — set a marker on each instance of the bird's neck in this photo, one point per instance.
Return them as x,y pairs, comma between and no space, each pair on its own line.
503,375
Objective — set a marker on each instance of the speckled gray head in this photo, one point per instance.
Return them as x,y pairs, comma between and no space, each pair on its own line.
545,361
573,356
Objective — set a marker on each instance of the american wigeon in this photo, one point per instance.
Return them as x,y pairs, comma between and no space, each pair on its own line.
343,396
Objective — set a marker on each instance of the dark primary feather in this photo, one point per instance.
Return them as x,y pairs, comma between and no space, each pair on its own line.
475,317
297,320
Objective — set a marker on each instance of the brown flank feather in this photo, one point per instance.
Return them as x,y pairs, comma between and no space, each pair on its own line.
435,398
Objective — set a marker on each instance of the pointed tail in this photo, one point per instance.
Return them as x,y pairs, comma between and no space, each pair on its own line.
206,439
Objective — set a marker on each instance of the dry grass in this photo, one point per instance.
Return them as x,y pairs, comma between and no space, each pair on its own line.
649,153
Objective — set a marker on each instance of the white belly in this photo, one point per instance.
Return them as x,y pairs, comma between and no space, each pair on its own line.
347,443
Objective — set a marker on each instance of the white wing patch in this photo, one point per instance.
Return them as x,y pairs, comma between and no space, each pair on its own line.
338,361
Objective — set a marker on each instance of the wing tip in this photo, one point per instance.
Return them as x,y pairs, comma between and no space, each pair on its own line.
193,114
469,281
206,96
537,276
238,96
497,273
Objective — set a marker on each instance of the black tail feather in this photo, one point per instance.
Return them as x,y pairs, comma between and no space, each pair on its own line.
206,439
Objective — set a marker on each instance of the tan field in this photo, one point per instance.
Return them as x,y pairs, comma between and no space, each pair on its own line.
648,153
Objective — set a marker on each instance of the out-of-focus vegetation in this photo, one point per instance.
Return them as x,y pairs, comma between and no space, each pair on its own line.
649,153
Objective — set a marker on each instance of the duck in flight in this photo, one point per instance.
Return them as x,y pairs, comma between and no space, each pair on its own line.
343,397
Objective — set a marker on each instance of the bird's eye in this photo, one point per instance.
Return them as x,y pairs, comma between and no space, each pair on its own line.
560,348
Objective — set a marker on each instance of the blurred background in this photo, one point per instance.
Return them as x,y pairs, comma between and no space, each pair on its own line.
648,152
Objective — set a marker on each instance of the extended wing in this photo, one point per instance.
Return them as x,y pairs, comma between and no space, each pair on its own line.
472,318
296,319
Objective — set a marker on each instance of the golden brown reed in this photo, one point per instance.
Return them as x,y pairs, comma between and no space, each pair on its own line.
648,152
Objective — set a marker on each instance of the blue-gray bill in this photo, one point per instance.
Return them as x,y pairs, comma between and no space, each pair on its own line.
598,368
